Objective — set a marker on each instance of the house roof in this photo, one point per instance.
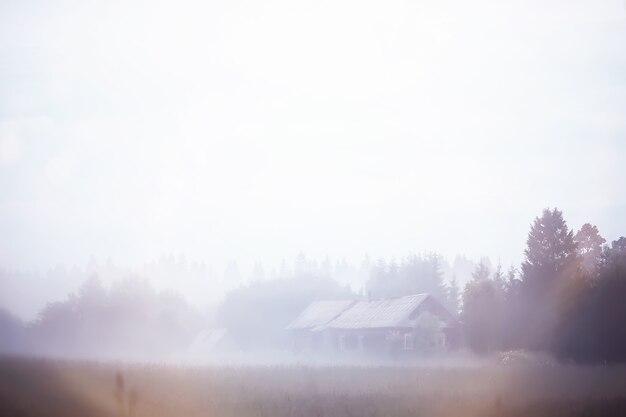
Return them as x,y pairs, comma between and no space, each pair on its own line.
395,312
319,313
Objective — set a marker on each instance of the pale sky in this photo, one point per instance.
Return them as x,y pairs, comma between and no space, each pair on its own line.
256,130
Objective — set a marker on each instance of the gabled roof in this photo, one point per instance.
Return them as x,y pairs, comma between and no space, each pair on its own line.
395,312
319,313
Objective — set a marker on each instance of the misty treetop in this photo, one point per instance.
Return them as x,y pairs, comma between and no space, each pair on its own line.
129,319
413,275
590,246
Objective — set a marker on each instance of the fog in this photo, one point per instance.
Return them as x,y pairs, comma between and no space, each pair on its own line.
227,130
188,173
204,286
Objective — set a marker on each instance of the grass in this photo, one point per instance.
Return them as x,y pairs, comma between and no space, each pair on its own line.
40,387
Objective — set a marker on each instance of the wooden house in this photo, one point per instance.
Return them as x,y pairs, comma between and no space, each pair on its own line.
408,324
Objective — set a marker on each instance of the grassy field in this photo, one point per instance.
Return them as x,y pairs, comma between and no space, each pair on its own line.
38,387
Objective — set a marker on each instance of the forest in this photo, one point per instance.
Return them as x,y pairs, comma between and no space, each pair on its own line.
565,299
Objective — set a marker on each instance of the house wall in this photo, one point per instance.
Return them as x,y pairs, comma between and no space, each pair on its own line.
371,341
378,342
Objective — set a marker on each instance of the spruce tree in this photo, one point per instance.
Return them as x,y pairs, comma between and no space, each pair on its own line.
551,259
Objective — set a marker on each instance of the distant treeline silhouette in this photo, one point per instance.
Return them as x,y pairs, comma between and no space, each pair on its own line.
413,275
128,320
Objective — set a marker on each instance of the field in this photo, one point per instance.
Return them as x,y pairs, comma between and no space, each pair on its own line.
42,387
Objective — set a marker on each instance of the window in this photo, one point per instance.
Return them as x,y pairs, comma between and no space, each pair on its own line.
408,341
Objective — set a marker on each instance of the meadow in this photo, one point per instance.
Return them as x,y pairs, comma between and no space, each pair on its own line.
46,387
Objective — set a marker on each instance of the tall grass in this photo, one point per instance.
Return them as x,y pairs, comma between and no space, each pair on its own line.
38,387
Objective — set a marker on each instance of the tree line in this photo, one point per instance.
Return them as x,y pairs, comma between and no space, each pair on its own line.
413,275
130,319
568,298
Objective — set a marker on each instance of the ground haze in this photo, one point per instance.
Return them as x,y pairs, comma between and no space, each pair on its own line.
37,387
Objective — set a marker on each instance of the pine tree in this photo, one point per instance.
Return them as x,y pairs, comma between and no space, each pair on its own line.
452,296
551,258
550,252
590,246
482,311
481,272
258,273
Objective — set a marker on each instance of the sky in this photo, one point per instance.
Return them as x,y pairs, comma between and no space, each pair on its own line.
258,130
